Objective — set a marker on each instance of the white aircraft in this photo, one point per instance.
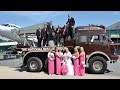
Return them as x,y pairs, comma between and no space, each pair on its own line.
16,33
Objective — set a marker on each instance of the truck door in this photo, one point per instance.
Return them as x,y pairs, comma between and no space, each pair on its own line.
94,43
105,46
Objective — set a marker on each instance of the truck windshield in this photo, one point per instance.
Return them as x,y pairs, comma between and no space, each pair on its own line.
92,38
80,38
106,38
87,38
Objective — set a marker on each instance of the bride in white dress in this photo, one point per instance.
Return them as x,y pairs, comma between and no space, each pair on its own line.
67,56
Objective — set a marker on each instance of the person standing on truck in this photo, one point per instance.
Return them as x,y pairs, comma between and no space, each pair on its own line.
71,24
57,36
51,59
58,55
50,31
39,36
82,61
76,62
44,35
64,32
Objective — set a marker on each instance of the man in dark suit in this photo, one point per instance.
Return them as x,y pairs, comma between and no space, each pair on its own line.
57,35
50,31
44,35
39,36
71,24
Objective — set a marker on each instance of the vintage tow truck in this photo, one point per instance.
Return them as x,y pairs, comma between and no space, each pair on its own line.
98,47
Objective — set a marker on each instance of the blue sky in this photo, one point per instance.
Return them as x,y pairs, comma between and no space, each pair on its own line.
27,18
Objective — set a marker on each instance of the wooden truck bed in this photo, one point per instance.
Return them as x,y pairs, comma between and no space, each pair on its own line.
32,49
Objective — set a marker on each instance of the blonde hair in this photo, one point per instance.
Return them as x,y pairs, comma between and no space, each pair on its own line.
76,48
82,49
51,49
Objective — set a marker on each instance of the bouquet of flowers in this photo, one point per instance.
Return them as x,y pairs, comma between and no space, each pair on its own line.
83,64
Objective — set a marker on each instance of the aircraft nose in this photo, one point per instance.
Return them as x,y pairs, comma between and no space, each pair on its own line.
1,32
0,28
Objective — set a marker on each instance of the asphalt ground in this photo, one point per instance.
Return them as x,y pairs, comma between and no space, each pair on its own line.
10,69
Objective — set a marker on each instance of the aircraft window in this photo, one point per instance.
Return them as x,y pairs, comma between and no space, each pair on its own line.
5,24
14,26
9,25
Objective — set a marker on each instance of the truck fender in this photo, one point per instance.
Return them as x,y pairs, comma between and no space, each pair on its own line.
26,55
96,52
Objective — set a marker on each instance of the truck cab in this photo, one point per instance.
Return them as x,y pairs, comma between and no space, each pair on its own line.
98,47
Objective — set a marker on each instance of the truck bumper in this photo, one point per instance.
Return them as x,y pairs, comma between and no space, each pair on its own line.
114,57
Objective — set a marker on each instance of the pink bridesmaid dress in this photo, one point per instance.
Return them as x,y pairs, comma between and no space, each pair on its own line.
58,63
64,68
76,64
50,63
82,64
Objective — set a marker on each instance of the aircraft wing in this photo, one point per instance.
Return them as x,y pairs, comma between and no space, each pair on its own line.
8,43
31,29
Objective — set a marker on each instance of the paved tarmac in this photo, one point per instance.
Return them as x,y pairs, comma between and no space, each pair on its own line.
9,69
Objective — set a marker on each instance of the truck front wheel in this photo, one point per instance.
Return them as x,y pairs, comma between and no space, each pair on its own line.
97,65
34,64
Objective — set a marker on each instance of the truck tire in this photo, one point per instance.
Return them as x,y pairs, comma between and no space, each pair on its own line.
97,65
5,57
34,64
46,66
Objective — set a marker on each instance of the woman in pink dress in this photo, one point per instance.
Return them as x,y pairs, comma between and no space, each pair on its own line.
51,58
58,61
82,61
76,62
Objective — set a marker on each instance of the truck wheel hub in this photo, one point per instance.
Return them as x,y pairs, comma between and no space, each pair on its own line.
97,65
33,65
